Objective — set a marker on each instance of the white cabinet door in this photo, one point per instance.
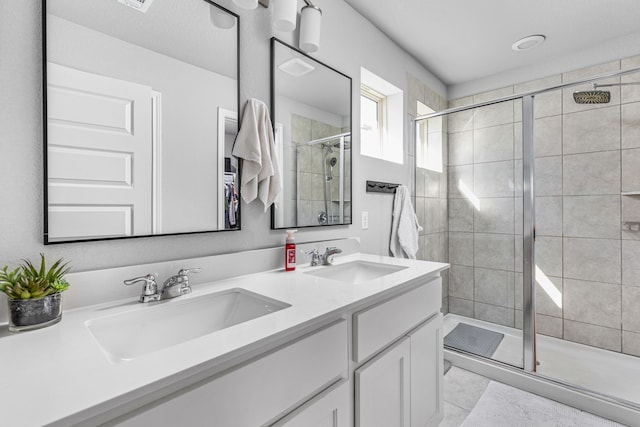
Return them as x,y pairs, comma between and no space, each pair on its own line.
427,374
329,409
383,387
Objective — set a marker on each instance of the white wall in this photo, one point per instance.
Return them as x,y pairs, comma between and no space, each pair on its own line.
348,42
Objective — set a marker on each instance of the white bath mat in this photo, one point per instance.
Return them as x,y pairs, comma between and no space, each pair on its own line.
504,406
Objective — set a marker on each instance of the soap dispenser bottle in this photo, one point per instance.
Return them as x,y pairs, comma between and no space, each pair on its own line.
290,252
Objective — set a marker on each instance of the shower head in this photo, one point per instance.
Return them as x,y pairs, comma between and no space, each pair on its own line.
594,96
332,161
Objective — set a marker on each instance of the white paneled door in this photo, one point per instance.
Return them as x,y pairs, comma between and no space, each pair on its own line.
99,156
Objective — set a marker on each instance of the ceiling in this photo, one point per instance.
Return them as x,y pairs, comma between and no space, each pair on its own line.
467,43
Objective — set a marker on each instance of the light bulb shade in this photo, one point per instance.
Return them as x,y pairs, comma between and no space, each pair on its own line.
310,20
246,4
222,19
285,13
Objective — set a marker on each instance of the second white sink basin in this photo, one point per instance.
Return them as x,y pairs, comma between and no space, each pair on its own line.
129,335
356,271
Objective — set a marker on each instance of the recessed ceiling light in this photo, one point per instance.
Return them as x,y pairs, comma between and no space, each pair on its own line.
529,42
296,67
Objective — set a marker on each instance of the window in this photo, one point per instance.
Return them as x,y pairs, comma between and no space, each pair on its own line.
381,118
429,134
371,120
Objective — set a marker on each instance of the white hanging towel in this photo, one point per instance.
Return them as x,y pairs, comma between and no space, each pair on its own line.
404,227
255,145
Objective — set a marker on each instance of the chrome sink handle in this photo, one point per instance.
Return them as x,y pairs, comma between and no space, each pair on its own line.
186,271
150,289
327,257
316,258
178,285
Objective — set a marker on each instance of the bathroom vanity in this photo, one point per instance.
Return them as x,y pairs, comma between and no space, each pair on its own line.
357,343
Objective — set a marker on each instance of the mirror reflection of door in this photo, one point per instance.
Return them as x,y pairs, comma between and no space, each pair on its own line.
133,131
95,156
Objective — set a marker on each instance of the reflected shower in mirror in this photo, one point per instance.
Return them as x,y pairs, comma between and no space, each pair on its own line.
311,108
141,112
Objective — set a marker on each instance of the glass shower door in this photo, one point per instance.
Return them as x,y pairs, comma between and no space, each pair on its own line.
485,232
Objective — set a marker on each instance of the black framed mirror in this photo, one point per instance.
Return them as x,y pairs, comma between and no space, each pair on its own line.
311,112
140,103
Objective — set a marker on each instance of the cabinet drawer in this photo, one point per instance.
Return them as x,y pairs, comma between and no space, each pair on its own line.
378,326
329,409
260,391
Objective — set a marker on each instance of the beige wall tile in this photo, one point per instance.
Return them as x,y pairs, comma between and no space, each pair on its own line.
548,216
493,287
494,251
592,216
631,170
592,259
546,104
461,248
494,313
461,148
463,307
460,215
493,115
548,255
631,125
493,144
457,174
595,303
548,176
496,215
548,325
597,336
631,308
591,173
460,122
631,263
631,343
461,281
493,179
592,130
545,304
548,136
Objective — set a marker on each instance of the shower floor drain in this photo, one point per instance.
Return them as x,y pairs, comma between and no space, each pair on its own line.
471,339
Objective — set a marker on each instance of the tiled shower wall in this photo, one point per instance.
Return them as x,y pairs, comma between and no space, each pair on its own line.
430,188
308,164
586,156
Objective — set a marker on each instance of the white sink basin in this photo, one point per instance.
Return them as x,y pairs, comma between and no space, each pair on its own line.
160,325
356,271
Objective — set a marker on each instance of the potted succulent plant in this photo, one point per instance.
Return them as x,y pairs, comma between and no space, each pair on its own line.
34,293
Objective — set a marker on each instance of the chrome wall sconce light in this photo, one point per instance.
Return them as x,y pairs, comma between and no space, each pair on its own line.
284,18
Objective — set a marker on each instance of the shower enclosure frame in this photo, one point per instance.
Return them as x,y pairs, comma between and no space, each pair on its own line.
528,98
341,138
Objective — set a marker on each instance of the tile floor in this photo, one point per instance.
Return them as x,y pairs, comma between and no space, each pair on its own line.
462,390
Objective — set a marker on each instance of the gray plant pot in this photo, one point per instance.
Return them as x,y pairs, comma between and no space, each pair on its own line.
28,314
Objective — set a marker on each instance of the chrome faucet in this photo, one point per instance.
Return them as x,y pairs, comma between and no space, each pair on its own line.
150,289
178,285
325,259
174,286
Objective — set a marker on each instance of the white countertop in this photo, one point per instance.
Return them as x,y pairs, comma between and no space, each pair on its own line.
59,375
